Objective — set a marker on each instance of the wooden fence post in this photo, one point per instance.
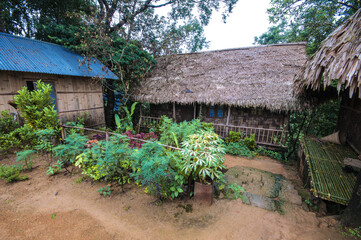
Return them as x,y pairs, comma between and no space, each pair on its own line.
63,131
107,135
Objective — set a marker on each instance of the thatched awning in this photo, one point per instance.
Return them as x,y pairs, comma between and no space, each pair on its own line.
259,76
338,59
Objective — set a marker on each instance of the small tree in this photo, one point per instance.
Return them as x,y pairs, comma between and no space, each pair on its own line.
37,107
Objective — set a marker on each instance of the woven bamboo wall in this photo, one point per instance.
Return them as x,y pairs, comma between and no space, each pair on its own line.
74,95
349,121
258,118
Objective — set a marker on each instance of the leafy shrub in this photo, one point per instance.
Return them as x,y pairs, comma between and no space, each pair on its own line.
250,142
172,133
7,123
159,170
355,233
74,144
143,136
270,153
52,170
23,137
234,191
107,160
239,149
11,173
25,157
234,137
125,124
105,191
204,156
37,107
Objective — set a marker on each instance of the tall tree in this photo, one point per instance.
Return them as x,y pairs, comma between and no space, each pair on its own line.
137,24
306,20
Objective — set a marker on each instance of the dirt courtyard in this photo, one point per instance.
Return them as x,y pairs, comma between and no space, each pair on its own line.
62,207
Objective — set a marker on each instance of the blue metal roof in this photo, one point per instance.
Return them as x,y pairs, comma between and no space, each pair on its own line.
28,55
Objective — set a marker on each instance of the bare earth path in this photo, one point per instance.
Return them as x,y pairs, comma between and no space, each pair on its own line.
58,208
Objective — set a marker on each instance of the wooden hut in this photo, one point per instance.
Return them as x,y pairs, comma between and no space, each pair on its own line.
246,89
23,61
338,63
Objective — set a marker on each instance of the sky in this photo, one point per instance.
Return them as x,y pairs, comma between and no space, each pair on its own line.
247,20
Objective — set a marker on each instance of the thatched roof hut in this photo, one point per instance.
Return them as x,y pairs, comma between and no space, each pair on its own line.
257,77
337,61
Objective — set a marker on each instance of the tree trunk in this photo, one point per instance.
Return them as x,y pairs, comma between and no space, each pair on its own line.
352,215
109,106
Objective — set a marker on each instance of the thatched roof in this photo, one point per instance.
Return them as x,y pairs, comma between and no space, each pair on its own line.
260,76
338,59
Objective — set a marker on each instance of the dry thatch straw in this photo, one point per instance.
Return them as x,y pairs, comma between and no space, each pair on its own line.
339,58
259,76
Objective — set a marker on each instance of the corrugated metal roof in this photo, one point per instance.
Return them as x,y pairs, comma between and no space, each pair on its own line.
28,55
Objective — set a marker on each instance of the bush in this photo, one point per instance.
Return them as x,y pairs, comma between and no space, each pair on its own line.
250,142
142,136
159,170
11,173
25,157
109,161
74,144
234,137
7,123
173,134
239,149
204,156
37,107
271,154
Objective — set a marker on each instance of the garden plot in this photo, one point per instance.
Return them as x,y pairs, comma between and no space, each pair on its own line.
264,189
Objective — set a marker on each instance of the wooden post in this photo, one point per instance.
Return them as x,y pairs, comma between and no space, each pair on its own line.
140,118
63,132
195,111
174,117
228,117
107,135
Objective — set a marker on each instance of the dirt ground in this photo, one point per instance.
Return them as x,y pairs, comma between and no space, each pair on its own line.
60,208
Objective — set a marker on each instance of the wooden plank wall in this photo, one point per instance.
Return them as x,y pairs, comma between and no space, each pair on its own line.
75,95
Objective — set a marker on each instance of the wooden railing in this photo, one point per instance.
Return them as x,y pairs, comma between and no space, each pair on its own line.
263,136
145,121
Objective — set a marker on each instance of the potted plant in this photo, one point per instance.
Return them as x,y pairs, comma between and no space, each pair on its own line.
203,155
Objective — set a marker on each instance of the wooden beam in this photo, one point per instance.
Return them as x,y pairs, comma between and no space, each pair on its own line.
228,117
352,162
174,112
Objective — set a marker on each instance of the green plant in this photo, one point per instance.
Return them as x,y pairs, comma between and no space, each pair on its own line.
234,137
109,161
239,149
270,153
74,144
174,133
355,233
37,107
11,173
203,155
25,157
250,142
105,191
46,141
7,122
234,191
52,170
125,124
159,170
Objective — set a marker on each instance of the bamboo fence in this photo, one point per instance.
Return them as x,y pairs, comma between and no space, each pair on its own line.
325,163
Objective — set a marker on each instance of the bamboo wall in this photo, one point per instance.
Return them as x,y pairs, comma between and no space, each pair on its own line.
349,121
74,95
257,118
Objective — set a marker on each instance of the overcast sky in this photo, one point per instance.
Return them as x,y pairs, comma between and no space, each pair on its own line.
247,20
